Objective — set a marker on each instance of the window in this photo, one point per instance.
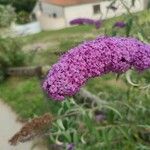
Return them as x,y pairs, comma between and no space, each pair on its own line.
96,9
33,16
133,3
54,15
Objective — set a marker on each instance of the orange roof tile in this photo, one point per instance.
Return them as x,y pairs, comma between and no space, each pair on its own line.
69,2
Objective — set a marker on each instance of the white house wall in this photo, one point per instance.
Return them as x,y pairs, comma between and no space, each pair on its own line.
46,18
80,11
65,14
86,10
49,9
49,23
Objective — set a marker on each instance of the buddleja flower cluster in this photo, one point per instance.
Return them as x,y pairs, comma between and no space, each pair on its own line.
92,59
82,21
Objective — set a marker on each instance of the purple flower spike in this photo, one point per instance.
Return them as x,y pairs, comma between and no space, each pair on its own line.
95,58
70,147
81,21
120,24
78,21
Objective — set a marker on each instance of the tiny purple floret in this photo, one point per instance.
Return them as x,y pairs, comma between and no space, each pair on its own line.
100,116
70,147
95,58
120,24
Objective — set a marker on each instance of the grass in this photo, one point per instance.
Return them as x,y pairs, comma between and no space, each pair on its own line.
50,36
25,96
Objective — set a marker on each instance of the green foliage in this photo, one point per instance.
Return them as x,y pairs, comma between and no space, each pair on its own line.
23,9
65,45
129,26
24,5
148,6
5,2
122,127
11,54
23,17
25,97
2,74
20,5
7,15
145,17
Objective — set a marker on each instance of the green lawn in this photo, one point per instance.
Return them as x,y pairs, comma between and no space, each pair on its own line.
25,96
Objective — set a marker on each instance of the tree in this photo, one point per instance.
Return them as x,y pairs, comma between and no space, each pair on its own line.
23,17
7,15
20,5
6,2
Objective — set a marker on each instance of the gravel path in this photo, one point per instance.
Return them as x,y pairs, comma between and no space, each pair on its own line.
8,127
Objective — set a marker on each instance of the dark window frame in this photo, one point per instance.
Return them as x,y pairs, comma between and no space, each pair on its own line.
133,3
96,9
54,15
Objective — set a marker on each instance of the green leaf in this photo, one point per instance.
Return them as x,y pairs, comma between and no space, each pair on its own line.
67,136
128,77
114,110
60,124
75,137
124,133
129,26
82,139
141,37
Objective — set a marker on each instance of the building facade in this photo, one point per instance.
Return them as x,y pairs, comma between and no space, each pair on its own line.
56,14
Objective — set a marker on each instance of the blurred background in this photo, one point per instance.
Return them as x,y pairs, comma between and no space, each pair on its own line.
33,35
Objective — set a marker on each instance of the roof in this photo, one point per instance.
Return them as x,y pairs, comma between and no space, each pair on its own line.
69,2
